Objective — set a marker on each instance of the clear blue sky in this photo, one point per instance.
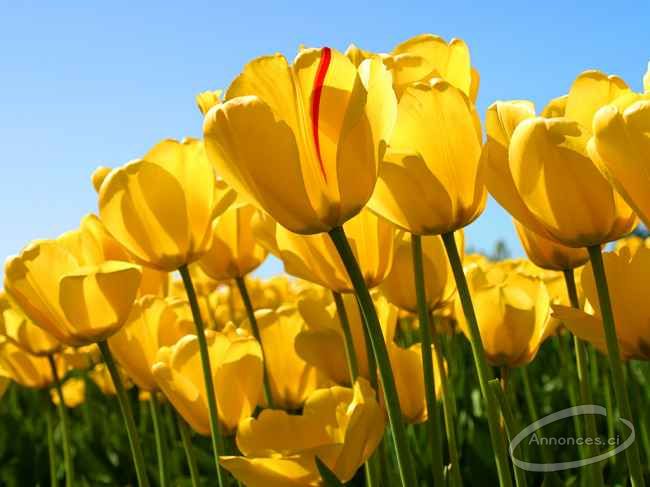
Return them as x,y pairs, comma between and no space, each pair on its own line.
83,84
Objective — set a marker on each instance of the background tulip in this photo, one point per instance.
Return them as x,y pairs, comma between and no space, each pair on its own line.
20,330
24,368
321,163
548,254
74,393
341,426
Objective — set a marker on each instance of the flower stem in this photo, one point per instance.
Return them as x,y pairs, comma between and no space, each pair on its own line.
482,369
350,352
614,357
50,439
157,431
189,452
250,312
369,314
433,415
127,414
63,415
217,439
583,382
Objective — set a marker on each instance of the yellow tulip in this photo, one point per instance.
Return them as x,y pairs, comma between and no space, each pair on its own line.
20,330
399,285
207,99
77,304
315,258
74,393
103,380
340,426
24,368
234,251
548,254
620,147
632,244
513,312
98,176
161,207
627,273
236,362
153,323
81,358
320,126
292,379
431,179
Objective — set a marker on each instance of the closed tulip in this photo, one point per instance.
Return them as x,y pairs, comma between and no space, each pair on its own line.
103,380
153,323
399,285
20,330
234,251
340,426
431,179
77,304
548,254
207,99
620,147
236,362
74,393
320,127
161,207
24,368
627,273
315,258
513,312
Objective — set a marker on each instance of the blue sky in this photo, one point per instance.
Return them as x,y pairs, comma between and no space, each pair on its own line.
84,84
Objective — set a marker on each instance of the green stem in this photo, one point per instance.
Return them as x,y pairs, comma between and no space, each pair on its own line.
189,452
499,389
433,415
583,381
157,431
348,342
127,414
482,369
369,314
250,312
449,409
67,452
614,357
217,439
50,439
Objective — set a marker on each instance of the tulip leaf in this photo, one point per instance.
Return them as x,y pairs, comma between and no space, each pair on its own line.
330,479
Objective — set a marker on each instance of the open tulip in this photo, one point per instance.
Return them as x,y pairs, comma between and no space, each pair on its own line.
291,379
24,368
620,146
320,125
161,207
234,251
153,323
20,330
399,285
514,314
431,179
315,258
77,304
340,426
547,253
236,362
627,272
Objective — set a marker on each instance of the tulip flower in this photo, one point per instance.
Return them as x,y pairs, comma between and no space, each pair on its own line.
291,379
399,285
627,272
77,304
161,207
315,258
236,362
153,323
21,331
431,179
340,426
24,368
207,99
102,378
548,254
620,147
320,125
513,312
74,393
234,251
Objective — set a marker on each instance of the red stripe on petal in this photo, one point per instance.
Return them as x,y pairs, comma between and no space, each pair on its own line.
326,56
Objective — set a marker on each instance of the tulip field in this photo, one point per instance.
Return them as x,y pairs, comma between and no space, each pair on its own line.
140,348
